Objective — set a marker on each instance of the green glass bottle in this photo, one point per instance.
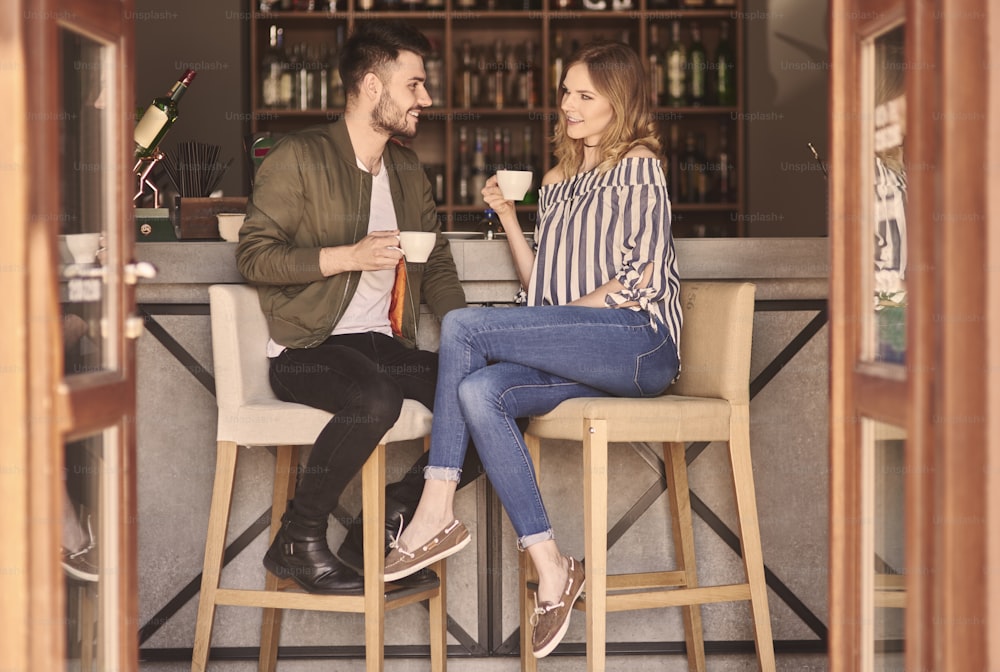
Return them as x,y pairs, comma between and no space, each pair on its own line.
159,117
725,70
677,68
697,68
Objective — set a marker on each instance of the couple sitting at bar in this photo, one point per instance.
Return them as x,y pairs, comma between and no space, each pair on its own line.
603,317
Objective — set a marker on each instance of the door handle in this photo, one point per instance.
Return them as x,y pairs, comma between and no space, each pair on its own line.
138,269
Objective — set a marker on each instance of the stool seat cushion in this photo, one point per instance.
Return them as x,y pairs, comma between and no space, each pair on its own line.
667,418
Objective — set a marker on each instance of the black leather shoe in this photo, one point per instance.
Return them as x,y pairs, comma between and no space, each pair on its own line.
351,551
300,552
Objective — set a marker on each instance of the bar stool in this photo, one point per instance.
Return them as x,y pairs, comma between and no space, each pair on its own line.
250,415
709,402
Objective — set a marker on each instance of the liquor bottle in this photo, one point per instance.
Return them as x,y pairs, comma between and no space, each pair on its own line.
697,68
323,78
528,157
691,164
724,84
564,4
595,5
702,181
466,4
677,67
338,97
694,4
498,157
528,78
434,68
558,60
484,75
497,80
661,4
507,149
465,76
477,180
159,117
726,171
308,74
654,67
464,169
272,68
724,3
296,65
673,173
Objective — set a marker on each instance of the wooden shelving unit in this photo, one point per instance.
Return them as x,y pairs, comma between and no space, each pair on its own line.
437,141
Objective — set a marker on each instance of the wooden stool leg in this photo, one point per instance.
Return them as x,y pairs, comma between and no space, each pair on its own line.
675,468
373,504
526,573
215,546
286,464
595,531
753,557
438,608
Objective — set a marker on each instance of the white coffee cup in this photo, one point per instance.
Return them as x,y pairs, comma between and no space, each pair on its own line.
514,183
229,225
417,245
82,247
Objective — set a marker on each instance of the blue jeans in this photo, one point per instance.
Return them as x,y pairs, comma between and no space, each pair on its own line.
499,364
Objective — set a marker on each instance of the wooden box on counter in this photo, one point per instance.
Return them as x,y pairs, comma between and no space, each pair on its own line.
194,218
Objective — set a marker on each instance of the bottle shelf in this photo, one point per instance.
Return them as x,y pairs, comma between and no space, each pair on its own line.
554,33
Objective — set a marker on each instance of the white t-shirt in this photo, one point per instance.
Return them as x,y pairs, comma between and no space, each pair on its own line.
369,307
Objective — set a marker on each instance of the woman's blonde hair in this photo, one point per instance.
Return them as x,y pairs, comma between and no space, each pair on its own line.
617,74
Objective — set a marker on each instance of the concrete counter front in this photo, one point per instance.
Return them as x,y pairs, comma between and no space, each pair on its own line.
176,460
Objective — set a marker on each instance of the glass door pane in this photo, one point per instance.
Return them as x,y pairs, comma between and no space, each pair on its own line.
91,551
883,558
885,336
88,183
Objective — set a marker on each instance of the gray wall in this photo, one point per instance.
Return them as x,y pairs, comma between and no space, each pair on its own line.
211,38
787,51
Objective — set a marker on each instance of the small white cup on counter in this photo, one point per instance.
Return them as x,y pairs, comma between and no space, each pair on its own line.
417,245
229,225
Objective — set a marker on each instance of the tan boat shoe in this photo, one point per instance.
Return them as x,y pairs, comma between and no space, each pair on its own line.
402,562
551,619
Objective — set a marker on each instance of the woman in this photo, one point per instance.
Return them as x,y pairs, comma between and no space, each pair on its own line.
603,318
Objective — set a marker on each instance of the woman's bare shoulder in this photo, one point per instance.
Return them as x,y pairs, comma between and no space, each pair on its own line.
554,175
640,152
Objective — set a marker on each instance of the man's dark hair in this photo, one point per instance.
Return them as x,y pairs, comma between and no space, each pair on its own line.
373,46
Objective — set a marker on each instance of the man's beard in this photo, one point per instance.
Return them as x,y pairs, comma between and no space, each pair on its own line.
388,117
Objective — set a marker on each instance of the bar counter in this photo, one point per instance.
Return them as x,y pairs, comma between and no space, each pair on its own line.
176,442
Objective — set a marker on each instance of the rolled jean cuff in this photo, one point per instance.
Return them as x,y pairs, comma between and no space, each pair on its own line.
531,539
442,474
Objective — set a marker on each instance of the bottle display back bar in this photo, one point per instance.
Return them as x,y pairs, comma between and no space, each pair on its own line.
494,74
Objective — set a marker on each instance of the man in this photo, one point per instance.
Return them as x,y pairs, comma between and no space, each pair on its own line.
321,243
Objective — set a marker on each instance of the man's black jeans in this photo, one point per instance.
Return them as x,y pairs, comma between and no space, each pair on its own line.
362,379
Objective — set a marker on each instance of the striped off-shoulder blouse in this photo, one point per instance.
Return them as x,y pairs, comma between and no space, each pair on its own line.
596,226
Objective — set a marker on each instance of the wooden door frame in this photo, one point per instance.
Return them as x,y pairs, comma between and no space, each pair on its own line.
38,405
944,392
14,412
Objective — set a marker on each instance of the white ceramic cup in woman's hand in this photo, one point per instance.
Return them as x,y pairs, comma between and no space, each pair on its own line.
514,183
417,245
